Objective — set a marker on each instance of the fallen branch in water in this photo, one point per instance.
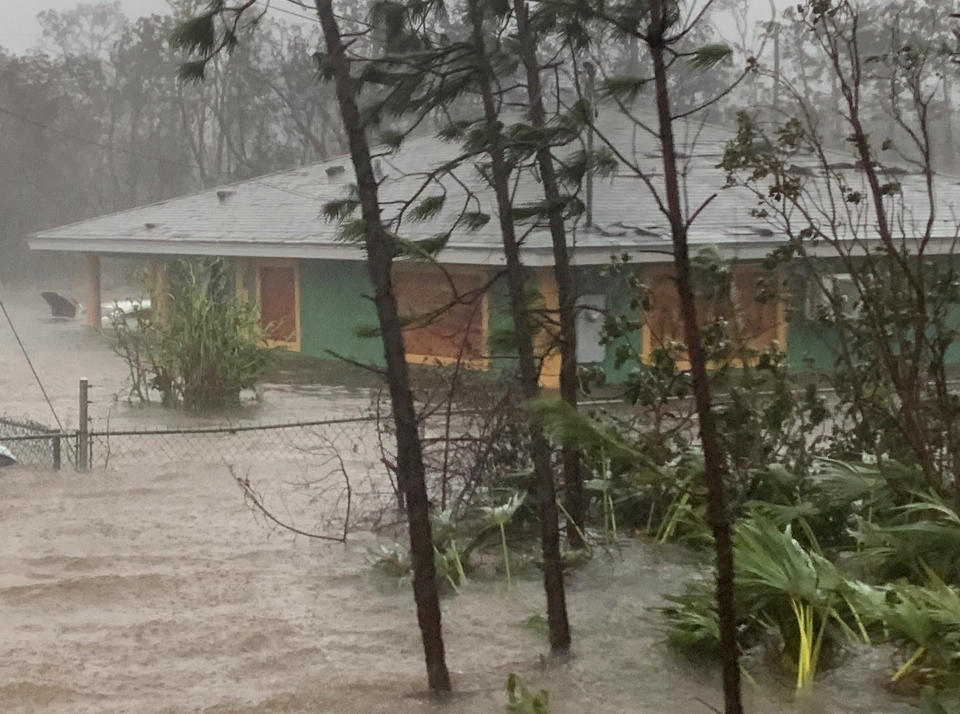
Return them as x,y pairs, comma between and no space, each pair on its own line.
253,498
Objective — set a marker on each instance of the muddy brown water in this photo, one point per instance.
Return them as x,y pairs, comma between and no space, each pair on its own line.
154,589
63,351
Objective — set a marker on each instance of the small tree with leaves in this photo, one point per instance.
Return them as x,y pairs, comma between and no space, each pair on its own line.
873,211
202,348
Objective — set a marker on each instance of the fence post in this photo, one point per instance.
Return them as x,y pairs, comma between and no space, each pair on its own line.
83,435
55,443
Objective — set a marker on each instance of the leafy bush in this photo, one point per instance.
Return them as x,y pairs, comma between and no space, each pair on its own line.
200,351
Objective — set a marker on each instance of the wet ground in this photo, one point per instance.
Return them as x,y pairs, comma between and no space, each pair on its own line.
154,589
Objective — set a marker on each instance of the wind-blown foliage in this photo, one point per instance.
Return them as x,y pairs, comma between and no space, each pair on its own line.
205,345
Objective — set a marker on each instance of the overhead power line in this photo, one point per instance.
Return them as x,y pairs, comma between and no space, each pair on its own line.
33,369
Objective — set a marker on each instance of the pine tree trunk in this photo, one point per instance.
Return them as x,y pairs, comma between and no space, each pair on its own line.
563,275
410,468
529,374
713,460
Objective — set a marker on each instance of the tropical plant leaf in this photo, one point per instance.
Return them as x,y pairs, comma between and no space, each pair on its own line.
711,54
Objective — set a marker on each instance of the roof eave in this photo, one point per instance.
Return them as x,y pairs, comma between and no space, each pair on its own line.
533,256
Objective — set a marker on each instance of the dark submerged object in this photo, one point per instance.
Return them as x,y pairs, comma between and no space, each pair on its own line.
59,305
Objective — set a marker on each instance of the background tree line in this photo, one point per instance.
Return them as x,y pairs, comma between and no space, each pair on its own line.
98,121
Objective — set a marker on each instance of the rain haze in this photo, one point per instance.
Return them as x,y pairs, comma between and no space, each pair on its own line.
598,360
22,32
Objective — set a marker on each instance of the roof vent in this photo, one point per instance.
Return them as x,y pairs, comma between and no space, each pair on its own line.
335,172
223,194
149,226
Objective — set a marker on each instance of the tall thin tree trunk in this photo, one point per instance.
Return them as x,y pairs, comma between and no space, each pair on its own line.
712,457
949,160
410,468
563,276
546,489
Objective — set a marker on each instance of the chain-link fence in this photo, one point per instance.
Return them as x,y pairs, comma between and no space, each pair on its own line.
316,477
320,476
34,444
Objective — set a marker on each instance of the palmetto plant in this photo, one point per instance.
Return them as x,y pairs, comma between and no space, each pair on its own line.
913,539
448,555
925,622
772,567
691,618
520,700
500,516
603,484
779,584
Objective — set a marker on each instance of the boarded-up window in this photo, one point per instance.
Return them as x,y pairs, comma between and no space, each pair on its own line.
663,319
278,302
751,323
758,313
442,321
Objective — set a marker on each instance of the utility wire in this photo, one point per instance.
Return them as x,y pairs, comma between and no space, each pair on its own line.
311,18
26,356
308,18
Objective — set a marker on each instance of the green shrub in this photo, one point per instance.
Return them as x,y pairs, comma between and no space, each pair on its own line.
203,349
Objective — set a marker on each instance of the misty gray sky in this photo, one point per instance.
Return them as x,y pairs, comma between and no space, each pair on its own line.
20,30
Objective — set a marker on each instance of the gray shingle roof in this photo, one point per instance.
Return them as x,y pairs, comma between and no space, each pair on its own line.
280,214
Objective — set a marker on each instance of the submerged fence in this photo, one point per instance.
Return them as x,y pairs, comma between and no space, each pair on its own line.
33,443
330,474
323,476
241,444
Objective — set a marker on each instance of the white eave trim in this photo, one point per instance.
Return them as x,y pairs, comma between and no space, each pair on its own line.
533,256
168,246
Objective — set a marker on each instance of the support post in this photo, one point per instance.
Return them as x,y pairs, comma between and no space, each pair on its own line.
83,434
159,291
55,446
92,289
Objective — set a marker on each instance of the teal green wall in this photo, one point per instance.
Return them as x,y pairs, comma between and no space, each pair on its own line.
810,346
596,280
500,344
953,351
333,306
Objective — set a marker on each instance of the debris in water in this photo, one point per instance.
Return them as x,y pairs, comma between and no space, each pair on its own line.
128,308
6,457
61,306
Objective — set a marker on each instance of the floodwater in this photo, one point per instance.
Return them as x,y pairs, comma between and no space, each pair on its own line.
63,351
155,589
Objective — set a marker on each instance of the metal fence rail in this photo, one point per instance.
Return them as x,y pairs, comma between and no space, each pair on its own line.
32,443
293,442
323,476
